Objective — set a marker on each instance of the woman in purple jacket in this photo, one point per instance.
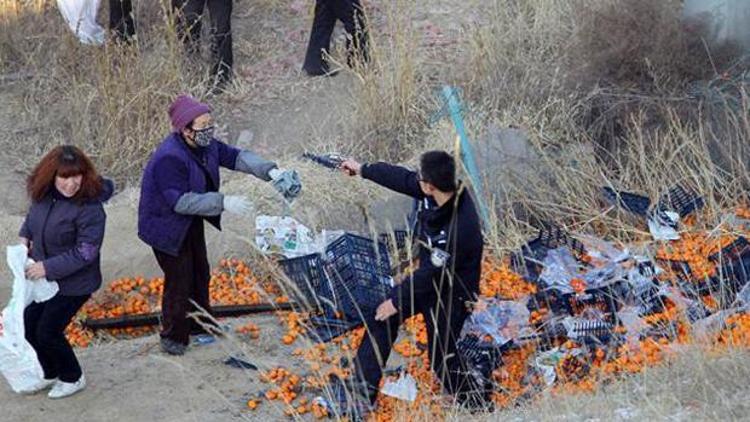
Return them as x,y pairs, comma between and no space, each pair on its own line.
179,190
63,230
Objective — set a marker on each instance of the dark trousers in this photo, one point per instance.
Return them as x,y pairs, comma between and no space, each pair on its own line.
121,19
186,278
327,12
45,330
443,323
189,13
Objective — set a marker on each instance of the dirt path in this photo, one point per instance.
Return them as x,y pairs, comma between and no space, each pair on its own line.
133,381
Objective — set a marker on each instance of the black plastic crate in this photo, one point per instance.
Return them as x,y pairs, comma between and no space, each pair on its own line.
608,299
732,251
592,332
528,262
733,274
480,355
357,270
307,274
681,201
633,203
550,299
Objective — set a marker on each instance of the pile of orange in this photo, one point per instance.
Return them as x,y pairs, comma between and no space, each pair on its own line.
232,283
694,249
498,280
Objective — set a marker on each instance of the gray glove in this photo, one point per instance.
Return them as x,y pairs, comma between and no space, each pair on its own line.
238,205
286,182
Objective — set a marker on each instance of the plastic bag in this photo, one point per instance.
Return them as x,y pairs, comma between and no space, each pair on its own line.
284,235
501,320
18,361
404,388
633,323
546,362
663,225
603,250
81,18
560,267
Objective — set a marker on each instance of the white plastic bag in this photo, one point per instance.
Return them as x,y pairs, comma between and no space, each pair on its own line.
18,361
81,18
405,388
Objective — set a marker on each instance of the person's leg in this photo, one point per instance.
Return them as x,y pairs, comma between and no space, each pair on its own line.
201,274
121,20
221,29
376,346
444,324
31,317
188,18
178,283
50,335
320,39
351,14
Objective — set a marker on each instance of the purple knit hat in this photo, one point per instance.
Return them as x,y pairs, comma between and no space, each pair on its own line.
184,110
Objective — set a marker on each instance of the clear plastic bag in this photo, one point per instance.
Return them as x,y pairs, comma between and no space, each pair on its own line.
499,319
560,267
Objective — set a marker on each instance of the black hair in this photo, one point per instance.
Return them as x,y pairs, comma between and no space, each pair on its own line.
439,169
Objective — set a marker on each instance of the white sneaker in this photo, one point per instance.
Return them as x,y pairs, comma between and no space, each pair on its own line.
67,389
41,385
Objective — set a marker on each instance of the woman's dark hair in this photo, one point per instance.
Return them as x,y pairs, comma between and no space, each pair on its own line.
64,161
439,169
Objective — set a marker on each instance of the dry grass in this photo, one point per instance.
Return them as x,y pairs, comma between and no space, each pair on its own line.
695,385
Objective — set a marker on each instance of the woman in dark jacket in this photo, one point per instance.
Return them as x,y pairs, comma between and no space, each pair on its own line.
179,190
64,230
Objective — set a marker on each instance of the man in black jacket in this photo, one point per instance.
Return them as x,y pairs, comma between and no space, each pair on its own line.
445,283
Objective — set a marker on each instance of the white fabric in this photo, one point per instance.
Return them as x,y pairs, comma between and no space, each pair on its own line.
18,361
81,18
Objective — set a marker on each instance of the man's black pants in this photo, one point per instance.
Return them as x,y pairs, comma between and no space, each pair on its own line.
186,278
444,325
121,19
189,13
350,13
45,325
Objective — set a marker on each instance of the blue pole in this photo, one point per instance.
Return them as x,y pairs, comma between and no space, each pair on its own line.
467,155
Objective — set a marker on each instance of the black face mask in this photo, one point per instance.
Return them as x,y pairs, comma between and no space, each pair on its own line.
203,137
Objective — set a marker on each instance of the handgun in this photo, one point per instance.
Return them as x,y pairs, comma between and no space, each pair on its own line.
331,160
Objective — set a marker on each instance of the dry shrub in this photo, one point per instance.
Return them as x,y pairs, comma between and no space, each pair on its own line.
385,114
613,93
110,100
